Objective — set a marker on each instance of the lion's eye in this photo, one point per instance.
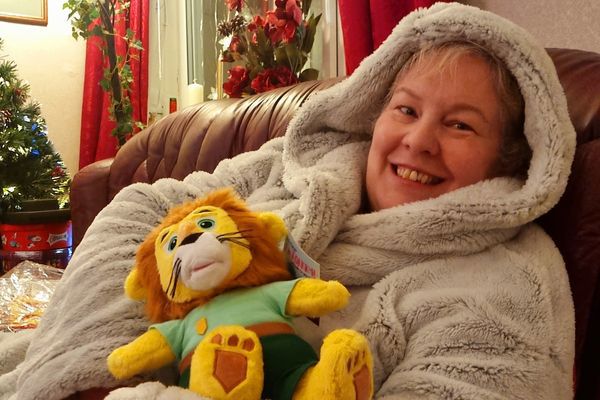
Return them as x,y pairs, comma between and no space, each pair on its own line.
172,243
206,223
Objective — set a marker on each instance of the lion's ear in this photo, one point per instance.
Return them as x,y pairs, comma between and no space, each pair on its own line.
133,287
274,224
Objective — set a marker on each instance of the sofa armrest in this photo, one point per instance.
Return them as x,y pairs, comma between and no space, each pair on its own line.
89,195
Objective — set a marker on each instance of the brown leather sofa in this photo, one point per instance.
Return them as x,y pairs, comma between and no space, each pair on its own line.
198,137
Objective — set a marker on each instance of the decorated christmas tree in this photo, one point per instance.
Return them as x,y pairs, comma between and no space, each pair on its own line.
29,166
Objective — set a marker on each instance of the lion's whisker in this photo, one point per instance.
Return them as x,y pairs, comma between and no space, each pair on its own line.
239,243
222,239
233,233
174,278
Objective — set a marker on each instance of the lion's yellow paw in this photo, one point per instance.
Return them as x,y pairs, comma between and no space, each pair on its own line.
228,364
118,364
315,298
148,352
361,369
344,371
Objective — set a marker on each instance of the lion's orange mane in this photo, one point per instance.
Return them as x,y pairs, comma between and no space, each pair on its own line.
267,265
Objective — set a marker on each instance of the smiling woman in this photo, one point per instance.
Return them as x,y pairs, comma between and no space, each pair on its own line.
24,11
449,117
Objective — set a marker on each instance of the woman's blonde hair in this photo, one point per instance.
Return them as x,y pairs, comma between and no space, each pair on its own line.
515,153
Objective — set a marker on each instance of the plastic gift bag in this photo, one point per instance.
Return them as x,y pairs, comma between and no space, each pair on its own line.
24,294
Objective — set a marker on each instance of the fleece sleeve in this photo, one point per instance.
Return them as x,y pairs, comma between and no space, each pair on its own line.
496,325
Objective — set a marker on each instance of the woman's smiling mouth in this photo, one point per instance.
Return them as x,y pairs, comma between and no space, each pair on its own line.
416,176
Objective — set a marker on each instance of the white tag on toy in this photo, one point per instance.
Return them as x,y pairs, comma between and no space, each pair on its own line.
299,263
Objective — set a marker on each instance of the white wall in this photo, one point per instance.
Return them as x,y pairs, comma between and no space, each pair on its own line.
53,63
555,23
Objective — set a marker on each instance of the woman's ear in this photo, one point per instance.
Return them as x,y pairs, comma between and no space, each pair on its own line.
133,287
274,224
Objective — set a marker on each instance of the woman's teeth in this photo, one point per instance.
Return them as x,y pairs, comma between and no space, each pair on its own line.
416,176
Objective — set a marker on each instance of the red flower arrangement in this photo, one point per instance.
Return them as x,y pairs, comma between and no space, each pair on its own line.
270,50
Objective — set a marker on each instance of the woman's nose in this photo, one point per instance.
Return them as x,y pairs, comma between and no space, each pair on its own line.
422,136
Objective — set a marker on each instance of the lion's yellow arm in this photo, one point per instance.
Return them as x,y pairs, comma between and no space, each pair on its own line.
148,352
315,298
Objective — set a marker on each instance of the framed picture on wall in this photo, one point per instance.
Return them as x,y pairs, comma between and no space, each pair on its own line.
24,11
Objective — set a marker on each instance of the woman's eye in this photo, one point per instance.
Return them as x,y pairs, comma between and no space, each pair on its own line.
406,110
206,223
172,243
461,126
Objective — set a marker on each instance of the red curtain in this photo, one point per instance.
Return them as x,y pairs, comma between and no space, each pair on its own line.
367,23
97,143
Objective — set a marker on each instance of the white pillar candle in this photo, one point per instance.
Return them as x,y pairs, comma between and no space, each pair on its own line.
195,93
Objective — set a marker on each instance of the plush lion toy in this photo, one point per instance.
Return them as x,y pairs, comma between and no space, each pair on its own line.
214,272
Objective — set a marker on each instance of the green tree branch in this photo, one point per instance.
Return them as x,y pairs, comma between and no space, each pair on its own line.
98,18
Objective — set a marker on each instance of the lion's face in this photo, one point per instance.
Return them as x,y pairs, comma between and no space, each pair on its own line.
203,248
199,253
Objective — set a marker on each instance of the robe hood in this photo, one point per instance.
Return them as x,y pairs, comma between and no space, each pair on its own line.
468,219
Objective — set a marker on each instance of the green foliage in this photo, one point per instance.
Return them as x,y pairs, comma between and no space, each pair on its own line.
309,37
97,18
29,166
309,74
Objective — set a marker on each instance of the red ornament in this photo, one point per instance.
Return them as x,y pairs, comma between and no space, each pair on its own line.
273,78
234,5
238,80
280,29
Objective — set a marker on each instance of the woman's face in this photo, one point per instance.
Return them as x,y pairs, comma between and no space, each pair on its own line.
440,131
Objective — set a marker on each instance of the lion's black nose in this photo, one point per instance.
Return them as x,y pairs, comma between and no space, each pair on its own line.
191,238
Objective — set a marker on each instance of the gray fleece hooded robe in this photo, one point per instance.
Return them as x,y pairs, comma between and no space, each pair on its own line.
461,296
